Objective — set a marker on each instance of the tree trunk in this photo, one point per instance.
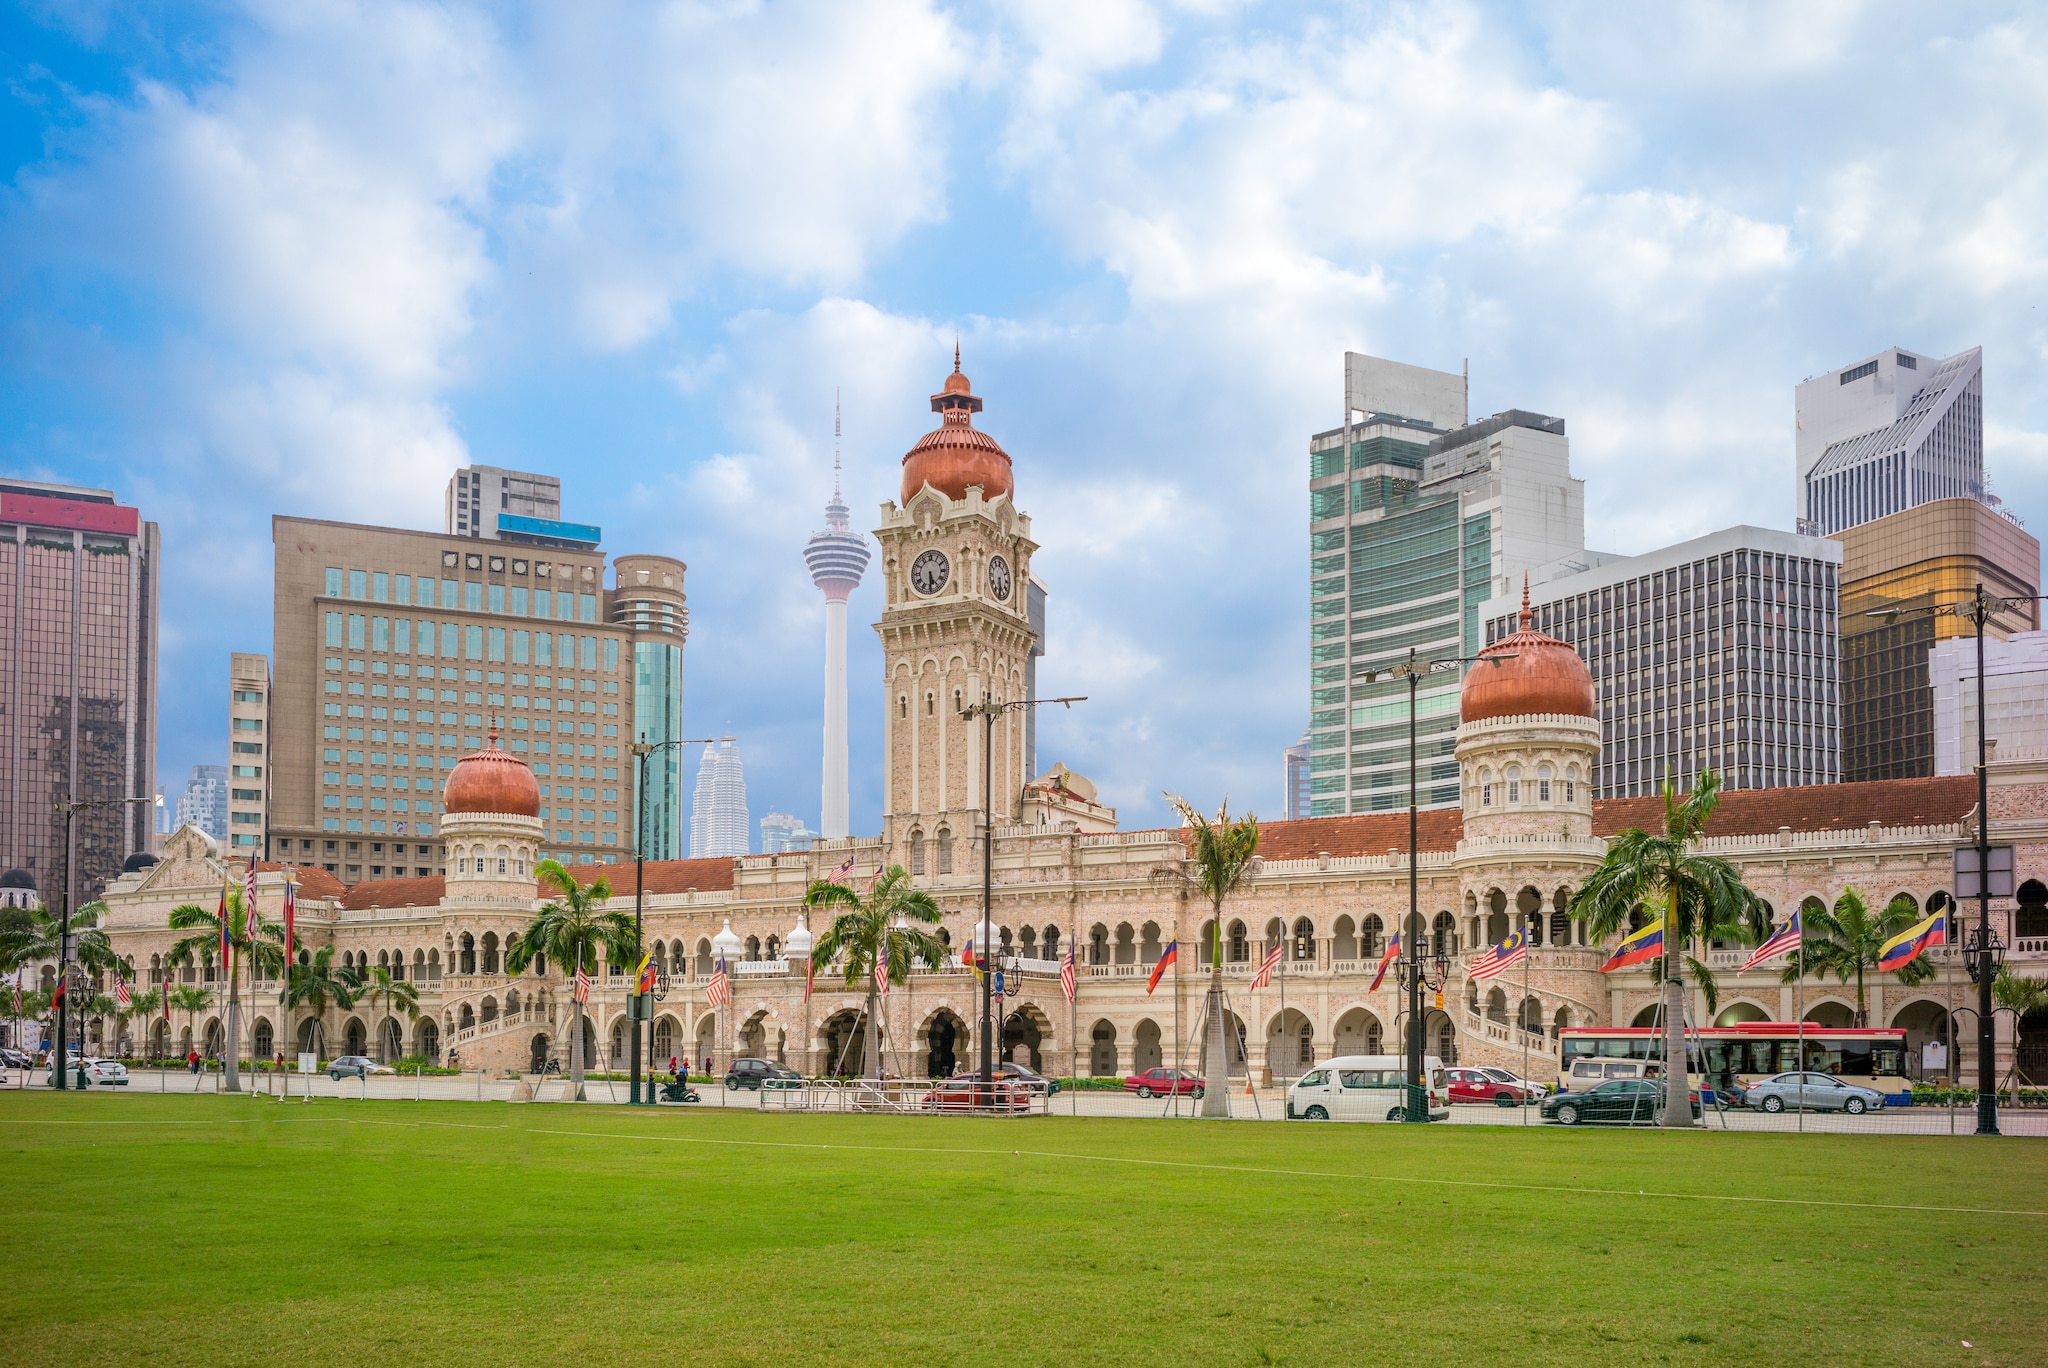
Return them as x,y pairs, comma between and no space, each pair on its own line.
870,1038
231,1049
1677,1087
1216,1096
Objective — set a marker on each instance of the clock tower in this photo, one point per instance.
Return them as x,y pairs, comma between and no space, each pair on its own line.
956,559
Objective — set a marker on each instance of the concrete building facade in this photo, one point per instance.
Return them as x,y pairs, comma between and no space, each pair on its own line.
79,645
1890,432
248,787
204,803
2015,699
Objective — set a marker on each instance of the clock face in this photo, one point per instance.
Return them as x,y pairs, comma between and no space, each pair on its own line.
999,578
929,572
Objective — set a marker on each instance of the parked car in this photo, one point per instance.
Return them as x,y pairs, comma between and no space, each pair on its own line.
969,1093
106,1073
1536,1089
356,1066
1153,1082
1497,1086
758,1074
14,1059
1814,1092
1365,1088
1627,1100
1030,1078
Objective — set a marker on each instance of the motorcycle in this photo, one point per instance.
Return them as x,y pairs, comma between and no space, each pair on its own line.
674,1091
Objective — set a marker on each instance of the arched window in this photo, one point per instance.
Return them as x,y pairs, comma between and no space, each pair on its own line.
2030,920
916,852
1304,942
1543,777
1051,941
1486,788
468,960
1446,937
903,706
1371,932
1514,782
1239,950
490,957
1571,783
945,850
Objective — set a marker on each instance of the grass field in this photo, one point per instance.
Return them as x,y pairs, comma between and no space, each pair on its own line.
207,1230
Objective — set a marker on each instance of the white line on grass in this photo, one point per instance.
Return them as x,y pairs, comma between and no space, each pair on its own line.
1221,1168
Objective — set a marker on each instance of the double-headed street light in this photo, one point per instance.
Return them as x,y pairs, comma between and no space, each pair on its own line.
69,811
1983,951
642,749
1414,974
988,710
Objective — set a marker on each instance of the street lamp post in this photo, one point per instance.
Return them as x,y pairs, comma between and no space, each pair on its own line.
69,810
642,749
988,710
1415,975
1983,951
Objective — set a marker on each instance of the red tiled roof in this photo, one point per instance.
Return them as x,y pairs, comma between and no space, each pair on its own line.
1373,833
1815,807
394,893
314,882
663,876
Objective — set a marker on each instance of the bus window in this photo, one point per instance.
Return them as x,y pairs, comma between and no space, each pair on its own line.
1851,1061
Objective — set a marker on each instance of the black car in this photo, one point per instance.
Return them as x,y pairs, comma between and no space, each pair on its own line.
1030,1078
758,1074
1627,1100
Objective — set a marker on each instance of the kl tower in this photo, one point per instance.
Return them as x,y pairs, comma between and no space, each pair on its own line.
837,558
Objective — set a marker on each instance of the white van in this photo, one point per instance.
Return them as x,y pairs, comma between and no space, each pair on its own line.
1364,1088
1587,1072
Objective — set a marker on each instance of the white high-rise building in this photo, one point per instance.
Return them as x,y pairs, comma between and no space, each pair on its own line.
204,803
781,832
718,812
1891,432
837,558
2015,699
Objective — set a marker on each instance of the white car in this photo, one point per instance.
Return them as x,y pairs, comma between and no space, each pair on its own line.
1539,1090
1364,1088
107,1073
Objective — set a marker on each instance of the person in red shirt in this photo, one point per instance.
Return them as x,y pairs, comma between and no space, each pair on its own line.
192,1059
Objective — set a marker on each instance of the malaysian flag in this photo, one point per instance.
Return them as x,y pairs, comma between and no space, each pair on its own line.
1500,958
719,991
249,895
1782,942
582,985
845,868
1067,973
882,974
1266,967
1393,953
17,992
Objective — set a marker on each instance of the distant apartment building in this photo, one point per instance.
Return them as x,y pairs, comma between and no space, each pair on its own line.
781,832
1887,433
204,803
514,506
1895,569
718,808
1717,653
248,766
1298,794
1416,517
78,679
397,652
2015,699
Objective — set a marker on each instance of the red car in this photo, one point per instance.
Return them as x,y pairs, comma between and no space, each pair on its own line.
1478,1085
1154,1082
969,1093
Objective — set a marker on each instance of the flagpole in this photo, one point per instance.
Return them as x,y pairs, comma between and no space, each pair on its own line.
1074,1011
1285,952
1525,1002
1799,1029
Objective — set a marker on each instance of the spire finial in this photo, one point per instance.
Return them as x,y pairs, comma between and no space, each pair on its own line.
1526,614
494,731
956,353
835,444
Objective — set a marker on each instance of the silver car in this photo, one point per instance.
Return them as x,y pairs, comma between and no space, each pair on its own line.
1814,1092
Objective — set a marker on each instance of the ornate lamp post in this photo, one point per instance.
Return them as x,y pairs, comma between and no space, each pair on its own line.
69,811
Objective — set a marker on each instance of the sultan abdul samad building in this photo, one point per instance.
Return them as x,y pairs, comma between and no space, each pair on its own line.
956,555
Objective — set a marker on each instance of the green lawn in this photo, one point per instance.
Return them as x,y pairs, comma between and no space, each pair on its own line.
210,1230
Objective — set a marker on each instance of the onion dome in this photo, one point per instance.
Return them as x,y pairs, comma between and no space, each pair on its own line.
141,859
725,943
955,454
491,781
797,945
1543,675
17,878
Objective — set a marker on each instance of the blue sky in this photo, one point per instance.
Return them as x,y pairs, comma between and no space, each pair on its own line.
307,257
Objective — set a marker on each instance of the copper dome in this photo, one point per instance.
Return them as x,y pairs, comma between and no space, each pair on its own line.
491,781
1545,675
955,454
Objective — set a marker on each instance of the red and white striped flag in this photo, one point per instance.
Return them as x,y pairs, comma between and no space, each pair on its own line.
1782,942
1266,966
582,985
810,971
17,992
719,991
882,974
249,895
1067,973
121,992
1500,958
291,920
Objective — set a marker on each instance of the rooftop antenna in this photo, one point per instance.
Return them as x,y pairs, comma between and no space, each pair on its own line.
835,444
1468,391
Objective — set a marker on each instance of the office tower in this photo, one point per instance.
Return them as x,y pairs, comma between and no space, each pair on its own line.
166,811
394,654
248,802
780,832
1034,613
1298,796
718,809
204,803
1717,653
2015,699
837,558
78,666
1924,557
513,506
648,598
1416,518
1891,432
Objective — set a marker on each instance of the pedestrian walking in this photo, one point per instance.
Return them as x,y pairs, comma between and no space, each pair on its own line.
192,1059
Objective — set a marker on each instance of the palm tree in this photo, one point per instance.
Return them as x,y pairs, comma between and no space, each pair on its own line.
394,994
191,999
31,934
570,930
876,930
145,1005
1221,850
249,938
1846,941
316,984
1700,897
